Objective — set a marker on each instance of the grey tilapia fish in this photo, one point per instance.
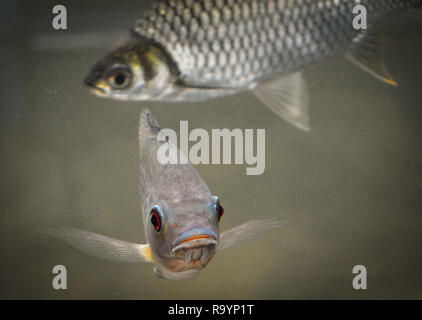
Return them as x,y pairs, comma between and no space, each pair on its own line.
190,50
180,216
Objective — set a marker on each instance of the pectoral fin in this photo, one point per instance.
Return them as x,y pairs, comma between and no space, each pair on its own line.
249,231
288,98
100,246
158,273
367,52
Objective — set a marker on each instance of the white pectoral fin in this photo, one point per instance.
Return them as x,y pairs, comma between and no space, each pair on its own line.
288,98
249,231
367,52
100,246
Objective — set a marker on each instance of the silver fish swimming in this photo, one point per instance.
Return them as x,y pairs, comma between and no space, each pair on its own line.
190,50
180,217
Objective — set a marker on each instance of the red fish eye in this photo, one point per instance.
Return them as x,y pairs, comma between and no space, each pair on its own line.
156,220
220,211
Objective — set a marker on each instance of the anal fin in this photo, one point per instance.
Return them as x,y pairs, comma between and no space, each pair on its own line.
367,52
288,98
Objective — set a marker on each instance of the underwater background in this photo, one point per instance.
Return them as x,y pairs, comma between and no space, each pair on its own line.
352,186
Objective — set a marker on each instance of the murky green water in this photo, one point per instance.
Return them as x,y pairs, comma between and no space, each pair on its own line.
352,185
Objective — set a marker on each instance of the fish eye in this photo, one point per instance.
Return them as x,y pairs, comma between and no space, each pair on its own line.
156,219
119,77
219,209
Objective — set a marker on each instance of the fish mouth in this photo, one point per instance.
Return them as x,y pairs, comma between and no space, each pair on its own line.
91,83
198,237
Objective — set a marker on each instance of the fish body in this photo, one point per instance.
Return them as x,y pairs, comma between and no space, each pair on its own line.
186,205
180,216
233,44
190,50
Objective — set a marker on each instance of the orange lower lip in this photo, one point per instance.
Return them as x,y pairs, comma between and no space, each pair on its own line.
98,91
196,238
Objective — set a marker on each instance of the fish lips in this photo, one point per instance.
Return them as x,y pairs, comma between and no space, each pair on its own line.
91,82
197,237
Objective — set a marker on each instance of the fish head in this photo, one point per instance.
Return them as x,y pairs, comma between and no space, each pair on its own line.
136,70
184,236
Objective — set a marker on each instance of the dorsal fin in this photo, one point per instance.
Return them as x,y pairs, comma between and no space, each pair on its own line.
148,125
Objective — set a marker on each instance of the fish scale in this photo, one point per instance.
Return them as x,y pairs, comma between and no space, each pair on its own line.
195,50
233,43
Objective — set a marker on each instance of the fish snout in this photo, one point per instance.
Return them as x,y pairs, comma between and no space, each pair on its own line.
97,86
195,239
90,81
